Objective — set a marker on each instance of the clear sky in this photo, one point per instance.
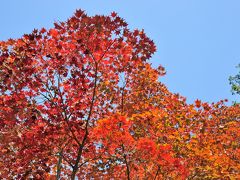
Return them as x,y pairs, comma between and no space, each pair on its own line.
198,42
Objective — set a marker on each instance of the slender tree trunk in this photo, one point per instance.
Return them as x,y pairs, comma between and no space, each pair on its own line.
80,150
157,173
59,165
128,169
126,162
79,155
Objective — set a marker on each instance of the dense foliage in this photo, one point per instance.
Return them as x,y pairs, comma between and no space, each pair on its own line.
82,100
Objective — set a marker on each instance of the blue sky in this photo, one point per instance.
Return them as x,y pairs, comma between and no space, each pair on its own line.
198,42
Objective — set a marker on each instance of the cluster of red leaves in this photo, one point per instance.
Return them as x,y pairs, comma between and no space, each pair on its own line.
81,100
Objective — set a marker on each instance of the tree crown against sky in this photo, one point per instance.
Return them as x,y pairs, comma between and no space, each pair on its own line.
203,35
82,100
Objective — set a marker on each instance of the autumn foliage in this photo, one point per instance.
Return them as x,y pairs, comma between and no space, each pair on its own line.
82,100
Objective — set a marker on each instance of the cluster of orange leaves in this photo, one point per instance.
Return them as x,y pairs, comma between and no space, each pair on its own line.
82,100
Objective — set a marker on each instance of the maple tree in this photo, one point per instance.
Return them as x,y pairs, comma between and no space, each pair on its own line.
82,100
